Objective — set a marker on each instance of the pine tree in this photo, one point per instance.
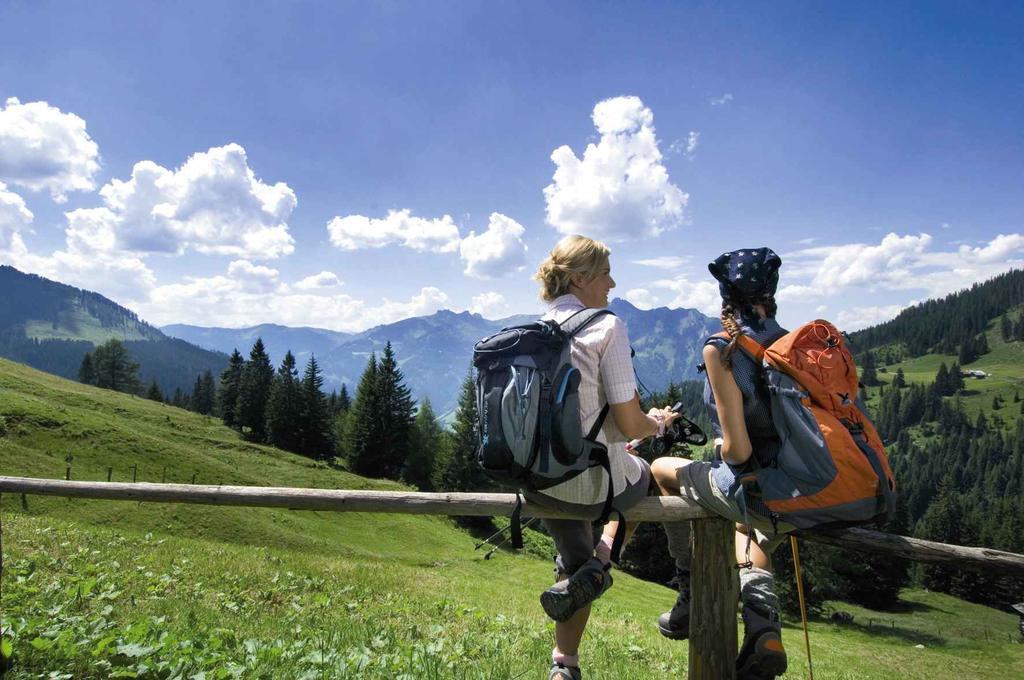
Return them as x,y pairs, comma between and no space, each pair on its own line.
114,368
396,412
344,402
900,381
461,471
209,402
868,374
1006,328
154,392
362,437
253,390
942,380
426,444
956,379
179,400
227,394
314,418
283,406
86,373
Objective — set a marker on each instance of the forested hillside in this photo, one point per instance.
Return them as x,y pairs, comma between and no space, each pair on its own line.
51,326
955,436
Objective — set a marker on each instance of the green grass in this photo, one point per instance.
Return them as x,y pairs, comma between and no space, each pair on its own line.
79,324
117,589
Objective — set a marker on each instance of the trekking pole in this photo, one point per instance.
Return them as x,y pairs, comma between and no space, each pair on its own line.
803,605
493,550
490,538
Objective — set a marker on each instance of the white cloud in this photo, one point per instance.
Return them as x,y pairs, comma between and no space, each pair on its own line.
489,305
701,295
41,147
691,143
1000,248
355,232
213,204
898,263
641,298
14,217
724,99
856,318
619,189
664,262
324,279
499,250
249,294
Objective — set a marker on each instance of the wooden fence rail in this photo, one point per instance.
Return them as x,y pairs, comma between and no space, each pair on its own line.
713,639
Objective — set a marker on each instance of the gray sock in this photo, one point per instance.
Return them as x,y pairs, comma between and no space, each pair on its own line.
757,589
678,534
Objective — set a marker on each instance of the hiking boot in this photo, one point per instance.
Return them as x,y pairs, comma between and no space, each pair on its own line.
762,656
561,672
568,596
675,625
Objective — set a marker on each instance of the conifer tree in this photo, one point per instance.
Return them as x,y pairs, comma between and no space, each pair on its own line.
396,412
179,400
956,379
462,472
86,373
283,406
426,444
114,368
344,401
942,380
227,394
1006,328
154,392
314,418
202,398
900,381
362,437
253,390
868,374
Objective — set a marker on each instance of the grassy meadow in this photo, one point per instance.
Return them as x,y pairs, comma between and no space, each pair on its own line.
98,589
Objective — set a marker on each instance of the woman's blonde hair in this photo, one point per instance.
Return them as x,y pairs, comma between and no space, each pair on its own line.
572,255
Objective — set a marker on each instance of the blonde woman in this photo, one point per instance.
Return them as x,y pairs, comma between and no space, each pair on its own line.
577,275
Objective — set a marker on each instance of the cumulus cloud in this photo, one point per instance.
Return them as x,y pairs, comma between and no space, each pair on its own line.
213,204
664,262
899,263
724,99
14,217
495,252
324,279
856,318
489,305
249,294
43,148
400,227
641,298
700,295
619,189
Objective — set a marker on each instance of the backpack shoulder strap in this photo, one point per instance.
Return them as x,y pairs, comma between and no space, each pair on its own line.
581,319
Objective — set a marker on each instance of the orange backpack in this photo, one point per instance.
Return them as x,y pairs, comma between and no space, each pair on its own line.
831,468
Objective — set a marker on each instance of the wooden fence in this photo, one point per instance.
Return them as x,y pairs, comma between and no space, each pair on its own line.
713,630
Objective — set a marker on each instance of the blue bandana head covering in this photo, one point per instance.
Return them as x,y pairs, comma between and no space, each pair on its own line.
747,276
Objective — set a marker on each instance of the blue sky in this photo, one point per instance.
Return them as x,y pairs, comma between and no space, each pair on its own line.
347,164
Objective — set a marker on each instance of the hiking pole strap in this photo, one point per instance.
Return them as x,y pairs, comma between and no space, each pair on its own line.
516,524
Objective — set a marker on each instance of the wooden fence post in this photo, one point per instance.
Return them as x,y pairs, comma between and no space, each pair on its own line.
714,591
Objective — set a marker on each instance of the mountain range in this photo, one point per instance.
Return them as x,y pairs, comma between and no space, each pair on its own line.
50,326
434,351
